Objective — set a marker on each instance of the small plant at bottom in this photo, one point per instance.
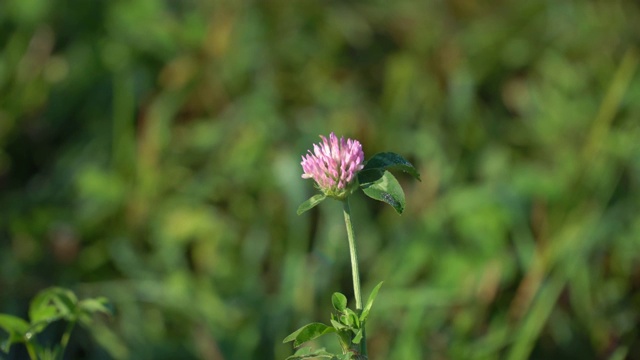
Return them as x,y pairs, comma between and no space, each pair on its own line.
338,168
49,305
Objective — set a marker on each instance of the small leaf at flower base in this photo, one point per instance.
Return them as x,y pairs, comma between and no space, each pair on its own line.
369,304
308,332
339,301
383,186
308,353
391,161
310,203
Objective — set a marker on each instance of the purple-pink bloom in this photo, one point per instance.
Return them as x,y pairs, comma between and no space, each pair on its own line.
333,165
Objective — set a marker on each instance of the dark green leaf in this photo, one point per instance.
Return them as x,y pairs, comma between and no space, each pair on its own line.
368,177
339,301
383,187
391,161
310,203
308,332
369,304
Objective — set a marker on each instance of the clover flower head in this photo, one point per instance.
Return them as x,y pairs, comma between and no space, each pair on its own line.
333,165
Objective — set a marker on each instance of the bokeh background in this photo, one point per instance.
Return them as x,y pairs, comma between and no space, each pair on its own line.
150,149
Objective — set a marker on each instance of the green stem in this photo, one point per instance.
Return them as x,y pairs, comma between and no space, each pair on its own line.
65,338
31,350
354,255
354,269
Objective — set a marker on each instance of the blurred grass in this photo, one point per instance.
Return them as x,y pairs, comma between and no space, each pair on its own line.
149,152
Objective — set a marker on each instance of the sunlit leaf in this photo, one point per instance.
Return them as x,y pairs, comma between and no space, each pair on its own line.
51,303
383,186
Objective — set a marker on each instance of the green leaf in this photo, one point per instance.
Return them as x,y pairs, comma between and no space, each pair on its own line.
391,161
338,326
339,301
308,353
50,305
345,319
369,304
352,318
358,337
94,305
90,306
16,327
311,202
345,340
51,302
308,333
383,186
49,353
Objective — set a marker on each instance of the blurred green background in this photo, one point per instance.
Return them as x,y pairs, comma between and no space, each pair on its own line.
150,149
